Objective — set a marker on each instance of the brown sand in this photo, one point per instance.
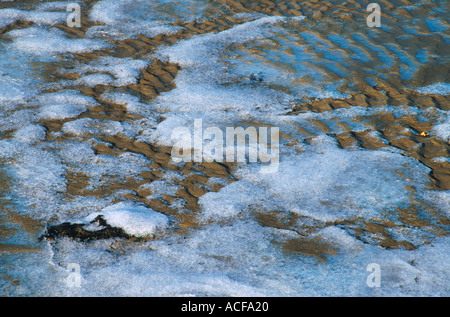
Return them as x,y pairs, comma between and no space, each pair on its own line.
158,78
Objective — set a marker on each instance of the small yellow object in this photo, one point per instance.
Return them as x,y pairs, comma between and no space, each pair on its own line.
424,133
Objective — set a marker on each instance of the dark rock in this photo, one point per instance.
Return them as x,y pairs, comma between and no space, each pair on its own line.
77,231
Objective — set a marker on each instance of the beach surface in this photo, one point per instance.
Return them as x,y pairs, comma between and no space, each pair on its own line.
87,174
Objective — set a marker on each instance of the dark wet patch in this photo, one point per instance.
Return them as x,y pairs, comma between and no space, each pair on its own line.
78,232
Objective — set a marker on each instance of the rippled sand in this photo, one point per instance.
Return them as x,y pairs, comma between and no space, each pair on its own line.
330,52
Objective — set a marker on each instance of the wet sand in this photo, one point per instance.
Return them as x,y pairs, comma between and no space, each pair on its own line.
407,133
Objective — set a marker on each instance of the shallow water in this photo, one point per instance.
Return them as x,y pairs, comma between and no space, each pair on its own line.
87,117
